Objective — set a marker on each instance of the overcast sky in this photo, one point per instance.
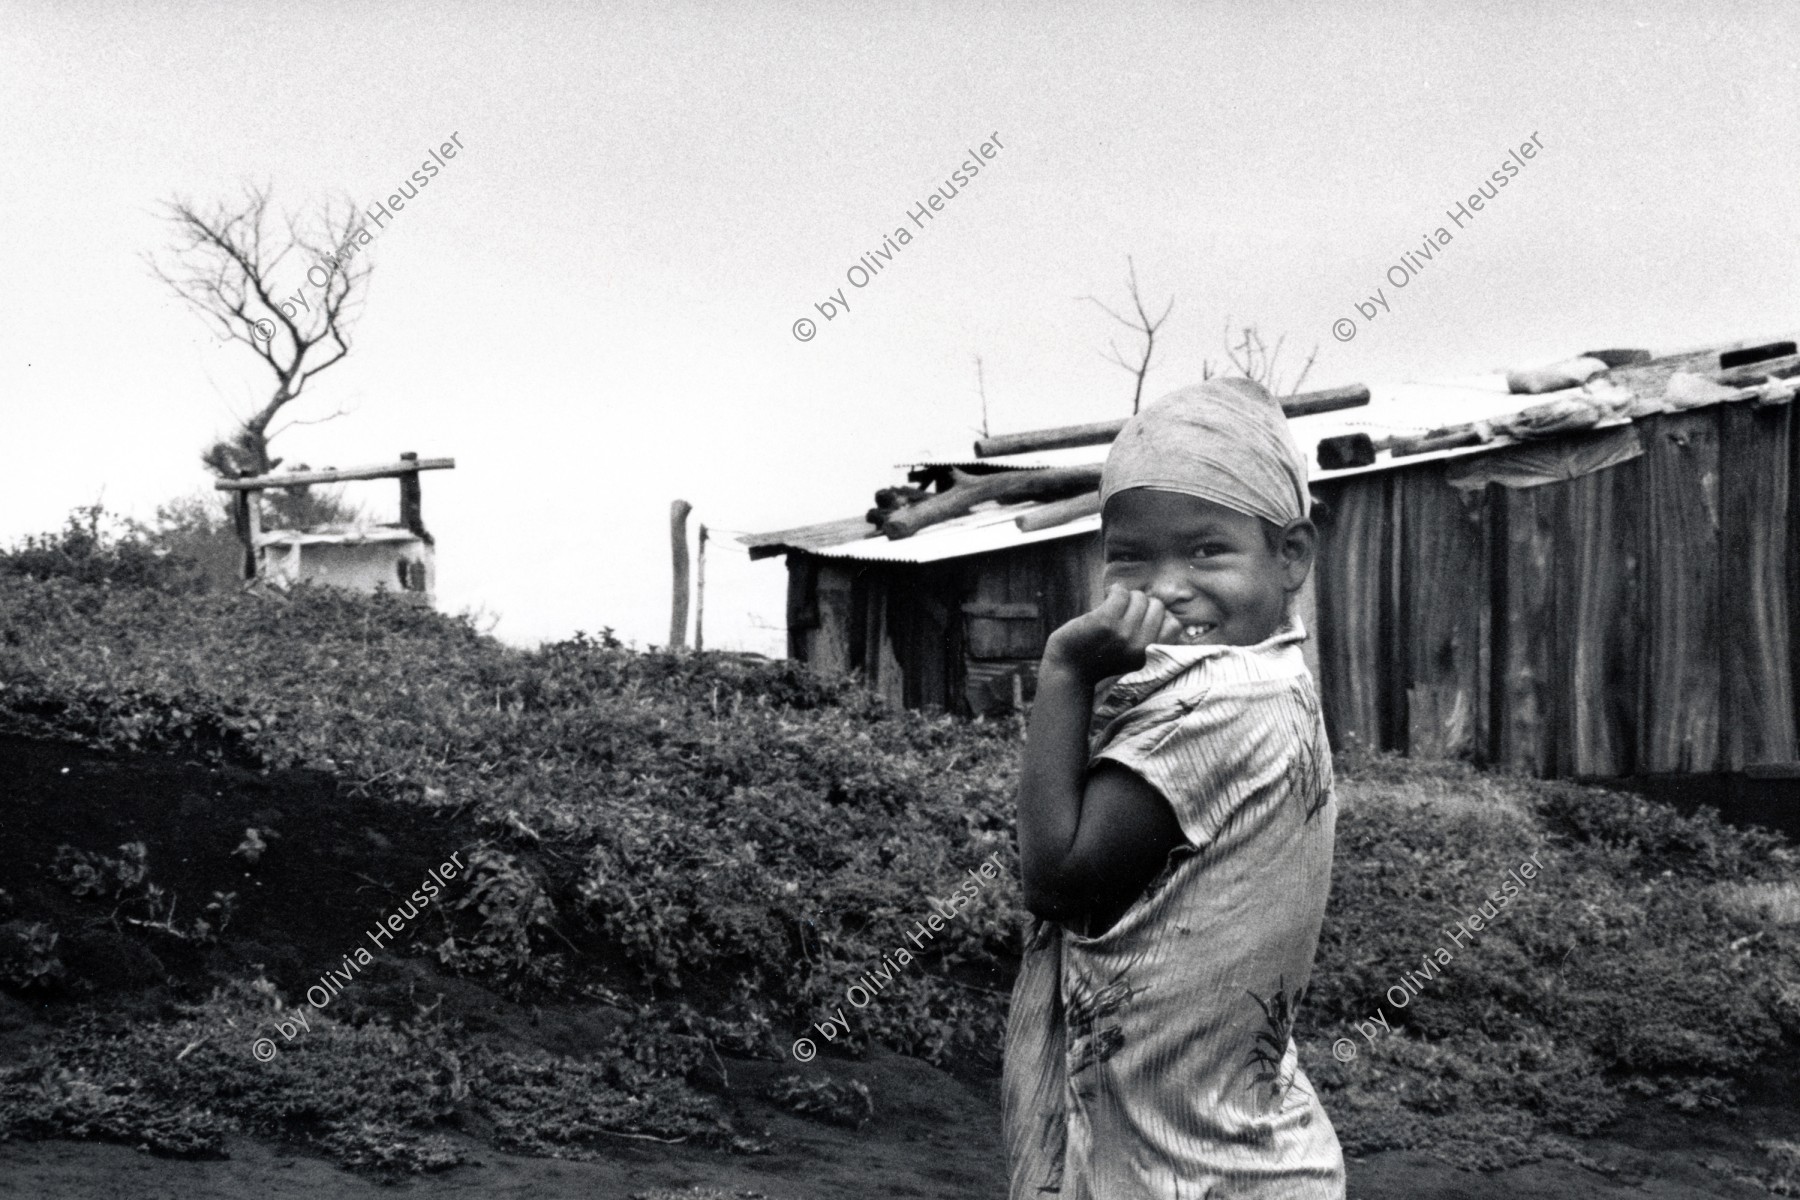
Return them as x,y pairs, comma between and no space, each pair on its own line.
592,306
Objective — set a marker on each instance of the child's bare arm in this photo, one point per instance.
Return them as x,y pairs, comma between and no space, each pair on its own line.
1088,843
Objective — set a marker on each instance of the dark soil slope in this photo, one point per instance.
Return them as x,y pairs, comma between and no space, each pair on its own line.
335,863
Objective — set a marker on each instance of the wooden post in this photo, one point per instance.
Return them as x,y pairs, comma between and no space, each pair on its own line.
700,595
410,514
678,515
240,519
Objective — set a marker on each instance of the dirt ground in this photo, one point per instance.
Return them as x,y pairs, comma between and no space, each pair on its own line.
936,1139
934,1134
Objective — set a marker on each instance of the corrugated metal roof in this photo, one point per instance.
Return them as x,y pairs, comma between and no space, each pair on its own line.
1394,410
806,537
992,527
977,533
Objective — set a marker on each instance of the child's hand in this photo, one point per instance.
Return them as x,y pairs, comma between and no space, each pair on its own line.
1111,639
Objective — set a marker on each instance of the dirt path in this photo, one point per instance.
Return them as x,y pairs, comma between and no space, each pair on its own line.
938,1140
80,1170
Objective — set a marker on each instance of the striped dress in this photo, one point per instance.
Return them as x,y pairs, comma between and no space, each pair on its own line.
1156,1061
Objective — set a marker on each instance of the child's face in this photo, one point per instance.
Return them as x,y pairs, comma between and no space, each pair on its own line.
1212,567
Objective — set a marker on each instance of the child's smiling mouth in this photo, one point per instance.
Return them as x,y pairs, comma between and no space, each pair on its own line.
1195,633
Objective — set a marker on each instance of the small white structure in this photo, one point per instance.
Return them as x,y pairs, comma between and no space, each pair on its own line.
400,557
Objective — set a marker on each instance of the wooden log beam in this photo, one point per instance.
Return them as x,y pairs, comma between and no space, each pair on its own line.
1100,433
1448,439
966,491
1059,512
258,483
1619,358
1750,354
1306,404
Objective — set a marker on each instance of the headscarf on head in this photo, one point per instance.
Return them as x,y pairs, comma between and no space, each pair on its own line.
1225,440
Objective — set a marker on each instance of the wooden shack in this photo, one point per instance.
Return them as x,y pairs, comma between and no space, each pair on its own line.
1609,602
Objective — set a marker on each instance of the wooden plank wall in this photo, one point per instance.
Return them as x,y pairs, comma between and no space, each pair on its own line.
928,634
1679,720
1635,620
1443,583
1355,632
1600,640
829,642
1010,603
1639,619
1791,590
1756,699
802,604
1523,710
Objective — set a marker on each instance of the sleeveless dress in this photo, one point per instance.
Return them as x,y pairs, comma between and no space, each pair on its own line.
1156,1061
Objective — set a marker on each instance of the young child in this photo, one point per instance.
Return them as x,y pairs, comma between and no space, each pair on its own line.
1177,864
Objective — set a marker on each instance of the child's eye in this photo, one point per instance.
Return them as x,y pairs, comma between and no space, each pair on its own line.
1209,549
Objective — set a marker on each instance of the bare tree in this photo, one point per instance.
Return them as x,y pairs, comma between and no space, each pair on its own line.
1252,358
1142,324
223,263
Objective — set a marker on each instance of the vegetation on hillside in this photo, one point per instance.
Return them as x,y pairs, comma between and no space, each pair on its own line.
715,848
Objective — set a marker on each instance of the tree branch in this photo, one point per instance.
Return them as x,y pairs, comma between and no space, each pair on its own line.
1144,325
1253,359
222,264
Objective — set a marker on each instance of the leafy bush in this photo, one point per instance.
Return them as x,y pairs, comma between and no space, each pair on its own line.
96,547
86,873
514,913
125,883
591,766
28,958
835,1101
749,838
199,528
378,1096
1620,967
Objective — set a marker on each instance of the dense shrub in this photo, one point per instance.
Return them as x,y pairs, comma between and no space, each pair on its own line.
832,822
378,1096
748,838
95,547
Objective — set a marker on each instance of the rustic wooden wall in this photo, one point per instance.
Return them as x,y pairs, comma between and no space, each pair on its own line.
1679,720
1638,619
1756,700
926,633
1010,603
1356,616
1599,614
1442,614
1524,714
